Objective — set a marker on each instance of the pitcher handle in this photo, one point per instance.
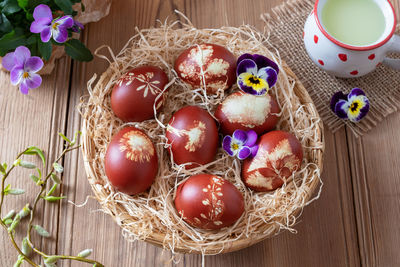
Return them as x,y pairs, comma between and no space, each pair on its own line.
394,47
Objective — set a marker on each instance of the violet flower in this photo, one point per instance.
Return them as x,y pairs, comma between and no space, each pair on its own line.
241,144
23,68
256,74
353,106
49,27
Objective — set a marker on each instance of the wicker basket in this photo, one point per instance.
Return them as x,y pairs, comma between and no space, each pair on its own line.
297,105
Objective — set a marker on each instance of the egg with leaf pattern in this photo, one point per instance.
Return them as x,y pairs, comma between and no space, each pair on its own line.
279,155
215,62
134,94
209,202
131,162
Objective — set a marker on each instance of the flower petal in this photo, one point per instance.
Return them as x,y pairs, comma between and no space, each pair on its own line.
263,62
361,109
60,35
33,81
254,150
23,87
226,145
247,65
268,74
240,136
335,98
242,84
21,54
8,61
45,35
40,24
244,152
33,64
16,75
251,138
42,11
65,21
341,109
244,56
355,92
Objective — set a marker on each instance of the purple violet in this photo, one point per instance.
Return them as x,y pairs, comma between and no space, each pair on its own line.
23,69
353,106
241,144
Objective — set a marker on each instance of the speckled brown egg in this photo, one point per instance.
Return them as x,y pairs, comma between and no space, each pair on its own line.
134,94
216,62
131,162
247,112
193,136
209,202
279,155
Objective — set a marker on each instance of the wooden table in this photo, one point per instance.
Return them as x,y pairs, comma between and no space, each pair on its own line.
354,223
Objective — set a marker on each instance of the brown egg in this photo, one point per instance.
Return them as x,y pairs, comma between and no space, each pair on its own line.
217,63
209,202
134,94
247,112
279,155
193,136
131,161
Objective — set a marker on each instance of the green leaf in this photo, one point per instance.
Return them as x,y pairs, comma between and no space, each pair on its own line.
41,231
5,166
27,164
66,139
65,5
23,3
57,167
52,189
9,215
14,223
32,39
16,191
8,187
76,137
2,170
26,248
11,7
8,221
55,178
53,198
82,7
19,261
26,210
36,151
45,49
85,253
5,24
12,40
34,178
76,50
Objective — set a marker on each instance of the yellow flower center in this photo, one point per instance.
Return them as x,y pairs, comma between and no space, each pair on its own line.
235,146
255,82
355,107
25,75
55,25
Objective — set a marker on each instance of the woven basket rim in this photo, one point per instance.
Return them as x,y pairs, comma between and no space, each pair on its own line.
88,148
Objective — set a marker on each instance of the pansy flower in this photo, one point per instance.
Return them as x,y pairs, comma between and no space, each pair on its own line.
23,68
353,106
49,27
256,74
241,144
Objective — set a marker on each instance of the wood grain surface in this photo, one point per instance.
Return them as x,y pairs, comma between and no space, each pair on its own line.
354,223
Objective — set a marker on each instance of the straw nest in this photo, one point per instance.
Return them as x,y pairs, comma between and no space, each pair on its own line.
151,216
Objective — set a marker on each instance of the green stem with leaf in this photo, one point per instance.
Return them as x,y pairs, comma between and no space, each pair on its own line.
28,246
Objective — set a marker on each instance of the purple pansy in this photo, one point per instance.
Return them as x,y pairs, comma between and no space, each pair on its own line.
353,106
48,27
241,144
256,74
23,68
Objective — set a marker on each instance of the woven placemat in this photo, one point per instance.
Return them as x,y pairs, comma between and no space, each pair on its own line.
285,25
